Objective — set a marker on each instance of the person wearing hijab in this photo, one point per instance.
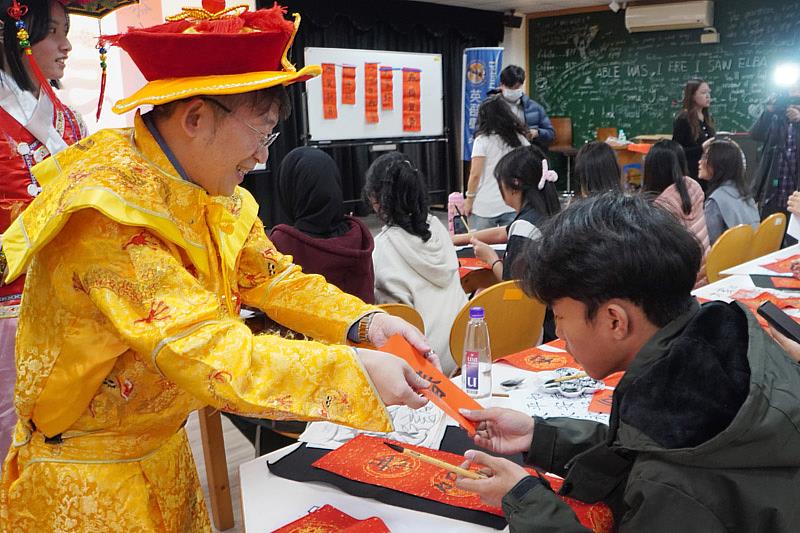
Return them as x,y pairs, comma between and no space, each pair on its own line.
320,237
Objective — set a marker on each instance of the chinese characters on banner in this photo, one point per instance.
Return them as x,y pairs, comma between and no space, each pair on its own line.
371,92
481,74
387,88
348,85
329,91
329,518
411,99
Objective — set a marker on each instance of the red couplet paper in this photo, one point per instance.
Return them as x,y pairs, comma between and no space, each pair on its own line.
368,460
329,91
411,99
442,392
329,519
348,85
783,266
371,92
785,283
387,88
602,399
538,359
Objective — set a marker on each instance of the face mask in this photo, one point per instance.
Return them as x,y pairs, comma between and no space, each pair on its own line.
512,95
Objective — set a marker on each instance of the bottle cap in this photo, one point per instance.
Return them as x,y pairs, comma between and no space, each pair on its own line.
476,312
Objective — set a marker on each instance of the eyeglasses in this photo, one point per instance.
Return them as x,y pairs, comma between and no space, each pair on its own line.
265,139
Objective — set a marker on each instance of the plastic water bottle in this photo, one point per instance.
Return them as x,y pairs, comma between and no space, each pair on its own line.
455,205
622,137
477,359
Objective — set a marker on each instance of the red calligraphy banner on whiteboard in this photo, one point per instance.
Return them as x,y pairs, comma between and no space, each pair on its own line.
348,85
387,88
371,92
329,91
411,99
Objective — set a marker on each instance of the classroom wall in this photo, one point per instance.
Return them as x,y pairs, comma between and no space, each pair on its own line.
515,46
588,67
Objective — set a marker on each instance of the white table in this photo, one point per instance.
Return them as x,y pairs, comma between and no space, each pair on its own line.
754,266
270,501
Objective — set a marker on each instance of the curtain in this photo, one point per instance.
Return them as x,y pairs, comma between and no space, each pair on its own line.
380,25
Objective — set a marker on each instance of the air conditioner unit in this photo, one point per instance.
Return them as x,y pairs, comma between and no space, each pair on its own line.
677,16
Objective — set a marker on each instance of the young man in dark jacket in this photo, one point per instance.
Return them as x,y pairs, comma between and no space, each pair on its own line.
531,113
704,434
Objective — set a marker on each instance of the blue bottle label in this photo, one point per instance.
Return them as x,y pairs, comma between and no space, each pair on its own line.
471,371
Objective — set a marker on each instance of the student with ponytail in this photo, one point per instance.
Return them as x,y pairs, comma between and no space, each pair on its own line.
415,263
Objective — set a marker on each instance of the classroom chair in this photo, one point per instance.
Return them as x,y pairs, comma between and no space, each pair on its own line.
407,313
601,134
514,320
731,249
768,236
562,144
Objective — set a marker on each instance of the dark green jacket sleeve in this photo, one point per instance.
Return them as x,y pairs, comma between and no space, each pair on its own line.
557,440
530,506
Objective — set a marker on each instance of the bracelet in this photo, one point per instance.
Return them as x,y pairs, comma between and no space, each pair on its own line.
363,328
497,261
470,194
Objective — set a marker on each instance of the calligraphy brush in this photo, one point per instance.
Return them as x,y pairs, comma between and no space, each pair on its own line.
567,378
463,218
437,462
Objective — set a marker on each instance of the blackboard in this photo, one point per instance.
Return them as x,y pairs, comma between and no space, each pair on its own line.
588,67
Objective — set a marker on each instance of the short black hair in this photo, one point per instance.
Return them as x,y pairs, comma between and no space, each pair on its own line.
259,101
512,75
614,246
37,22
398,188
596,169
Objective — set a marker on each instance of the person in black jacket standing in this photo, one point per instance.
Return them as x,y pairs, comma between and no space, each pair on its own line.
694,125
778,128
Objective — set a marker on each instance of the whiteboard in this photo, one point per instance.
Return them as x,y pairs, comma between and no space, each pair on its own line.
351,123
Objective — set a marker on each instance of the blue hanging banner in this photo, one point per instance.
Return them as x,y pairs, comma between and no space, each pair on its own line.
481,74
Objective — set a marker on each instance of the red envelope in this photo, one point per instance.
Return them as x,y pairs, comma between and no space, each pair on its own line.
442,392
784,266
538,360
329,519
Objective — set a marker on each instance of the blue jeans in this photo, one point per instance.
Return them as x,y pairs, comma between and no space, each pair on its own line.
478,223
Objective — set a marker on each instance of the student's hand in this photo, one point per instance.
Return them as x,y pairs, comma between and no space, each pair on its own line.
504,475
788,345
793,114
395,380
793,205
467,209
483,251
533,133
501,430
385,325
708,142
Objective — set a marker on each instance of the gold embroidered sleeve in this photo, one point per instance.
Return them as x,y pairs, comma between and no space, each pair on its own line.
158,308
302,302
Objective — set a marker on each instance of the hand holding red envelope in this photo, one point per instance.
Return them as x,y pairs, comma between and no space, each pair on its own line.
442,392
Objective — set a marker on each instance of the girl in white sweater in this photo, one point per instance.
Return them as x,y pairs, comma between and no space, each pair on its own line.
415,262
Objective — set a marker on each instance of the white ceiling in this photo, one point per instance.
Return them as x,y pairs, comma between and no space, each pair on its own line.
521,6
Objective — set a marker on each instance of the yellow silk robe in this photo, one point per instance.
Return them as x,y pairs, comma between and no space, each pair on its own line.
129,322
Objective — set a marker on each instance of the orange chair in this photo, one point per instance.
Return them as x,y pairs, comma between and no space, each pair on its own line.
731,249
514,320
769,236
407,313
563,144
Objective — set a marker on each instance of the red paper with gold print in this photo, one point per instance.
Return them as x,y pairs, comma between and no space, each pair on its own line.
538,359
601,400
329,519
442,392
785,283
348,84
783,266
387,88
369,460
411,99
329,91
371,92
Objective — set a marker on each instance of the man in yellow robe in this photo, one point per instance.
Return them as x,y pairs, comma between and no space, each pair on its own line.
140,251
